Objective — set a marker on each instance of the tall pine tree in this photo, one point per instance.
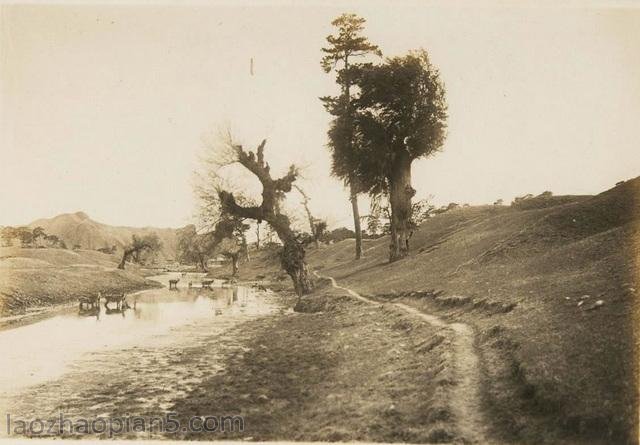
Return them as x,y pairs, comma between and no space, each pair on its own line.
339,56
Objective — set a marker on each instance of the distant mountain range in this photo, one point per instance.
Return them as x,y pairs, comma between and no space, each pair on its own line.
78,229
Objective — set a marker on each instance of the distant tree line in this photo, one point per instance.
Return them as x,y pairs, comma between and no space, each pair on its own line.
529,201
108,250
26,237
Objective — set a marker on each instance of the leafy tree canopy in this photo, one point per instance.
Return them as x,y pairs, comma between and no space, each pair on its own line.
344,46
402,112
347,42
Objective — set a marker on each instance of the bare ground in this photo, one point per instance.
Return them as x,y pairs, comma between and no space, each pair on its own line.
465,397
338,370
555,365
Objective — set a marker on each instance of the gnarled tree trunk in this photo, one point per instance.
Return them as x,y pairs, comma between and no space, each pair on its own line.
125,256
293,263
202,263
293,253
400,194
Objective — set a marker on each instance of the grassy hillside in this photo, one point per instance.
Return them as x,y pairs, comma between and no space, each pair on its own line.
557,365
41,277
78,229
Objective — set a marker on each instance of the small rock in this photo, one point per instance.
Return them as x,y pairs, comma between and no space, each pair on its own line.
580,303
596,305
567,298
263,398
584,297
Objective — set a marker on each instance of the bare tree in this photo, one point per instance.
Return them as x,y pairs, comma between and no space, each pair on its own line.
193,247
229,239
273,190
230,248
148,243
312,221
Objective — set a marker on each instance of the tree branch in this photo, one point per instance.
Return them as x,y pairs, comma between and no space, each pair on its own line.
229,204
256,166
284,184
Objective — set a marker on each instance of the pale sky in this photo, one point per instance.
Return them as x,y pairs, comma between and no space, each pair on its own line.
104,108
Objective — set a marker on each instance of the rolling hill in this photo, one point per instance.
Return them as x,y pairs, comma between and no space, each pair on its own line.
551,292
78,229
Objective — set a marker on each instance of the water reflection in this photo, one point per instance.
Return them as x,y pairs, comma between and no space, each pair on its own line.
35,353
109,311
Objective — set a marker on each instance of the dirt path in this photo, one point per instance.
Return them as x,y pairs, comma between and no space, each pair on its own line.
465,403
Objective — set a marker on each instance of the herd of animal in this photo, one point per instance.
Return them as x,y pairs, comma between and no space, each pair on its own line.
173,283
93,302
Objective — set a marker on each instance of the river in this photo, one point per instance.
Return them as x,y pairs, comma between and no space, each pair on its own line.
136,361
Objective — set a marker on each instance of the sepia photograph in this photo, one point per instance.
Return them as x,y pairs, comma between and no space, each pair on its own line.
282,221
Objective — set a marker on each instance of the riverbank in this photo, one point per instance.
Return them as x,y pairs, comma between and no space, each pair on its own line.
551,295
337,369
32,280
115,364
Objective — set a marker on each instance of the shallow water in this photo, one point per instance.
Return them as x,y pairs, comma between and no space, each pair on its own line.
52,364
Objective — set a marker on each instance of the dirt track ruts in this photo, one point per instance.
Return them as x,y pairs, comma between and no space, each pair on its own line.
465,403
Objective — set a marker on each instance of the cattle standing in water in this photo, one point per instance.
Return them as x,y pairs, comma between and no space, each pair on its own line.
207,283
91,302
118,299
173,284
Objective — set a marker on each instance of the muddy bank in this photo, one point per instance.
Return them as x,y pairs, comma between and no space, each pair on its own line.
339,370
27,291
138,362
